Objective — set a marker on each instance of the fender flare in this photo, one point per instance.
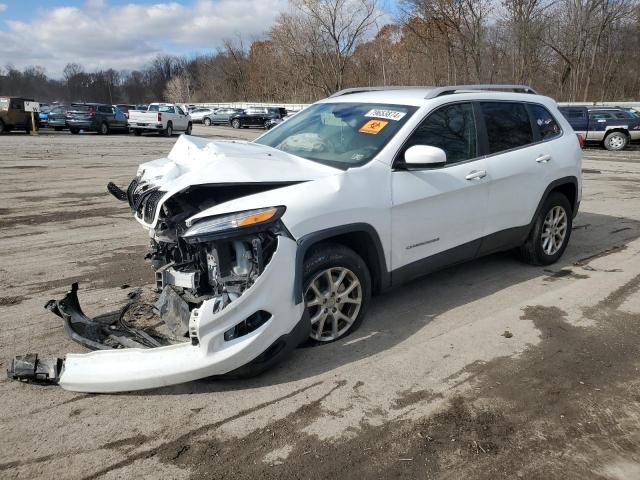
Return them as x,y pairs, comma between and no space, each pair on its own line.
307,241
571,180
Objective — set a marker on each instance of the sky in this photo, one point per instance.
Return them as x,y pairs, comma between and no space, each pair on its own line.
126,34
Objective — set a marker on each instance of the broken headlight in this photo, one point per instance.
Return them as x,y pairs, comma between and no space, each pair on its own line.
224,223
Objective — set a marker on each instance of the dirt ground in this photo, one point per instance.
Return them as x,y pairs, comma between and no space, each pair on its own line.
489,370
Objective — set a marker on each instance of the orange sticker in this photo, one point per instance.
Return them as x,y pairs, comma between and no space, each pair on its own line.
373,126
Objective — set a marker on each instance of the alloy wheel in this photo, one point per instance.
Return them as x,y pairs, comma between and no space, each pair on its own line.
554,230
333,300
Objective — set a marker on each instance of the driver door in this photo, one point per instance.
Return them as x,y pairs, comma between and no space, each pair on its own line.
438,214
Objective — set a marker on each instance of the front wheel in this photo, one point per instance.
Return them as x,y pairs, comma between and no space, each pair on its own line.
104,128
616,141
74,131
236,123
550,234
188,130
337,287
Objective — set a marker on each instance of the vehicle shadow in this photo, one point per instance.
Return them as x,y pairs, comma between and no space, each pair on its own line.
398,314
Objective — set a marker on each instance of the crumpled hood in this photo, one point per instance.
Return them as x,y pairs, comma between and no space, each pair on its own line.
197,161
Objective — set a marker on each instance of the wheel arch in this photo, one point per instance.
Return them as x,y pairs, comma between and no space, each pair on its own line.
568,186
362,238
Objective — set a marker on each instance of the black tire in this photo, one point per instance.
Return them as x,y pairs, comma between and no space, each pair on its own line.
74,131
169,130
2,129
137,132
532,251
334,255
207,122
616,141
104,129
266,125
235,123
189,129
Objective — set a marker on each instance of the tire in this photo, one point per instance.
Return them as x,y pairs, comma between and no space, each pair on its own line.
340,262
207,122
266,125
104,129
236,123
137,132
616,141
2,129
169,130
188,130
538,250
74,131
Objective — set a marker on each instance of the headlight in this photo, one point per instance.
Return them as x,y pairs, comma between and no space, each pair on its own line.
233,221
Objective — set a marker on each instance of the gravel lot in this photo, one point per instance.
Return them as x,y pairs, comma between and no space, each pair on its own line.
493,369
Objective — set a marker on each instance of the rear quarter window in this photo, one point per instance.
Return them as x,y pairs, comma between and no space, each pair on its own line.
547,125
507,124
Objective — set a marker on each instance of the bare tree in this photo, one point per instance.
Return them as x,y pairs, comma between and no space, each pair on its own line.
321,36
178,89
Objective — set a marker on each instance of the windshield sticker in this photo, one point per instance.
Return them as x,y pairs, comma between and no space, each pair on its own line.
373,127
386,114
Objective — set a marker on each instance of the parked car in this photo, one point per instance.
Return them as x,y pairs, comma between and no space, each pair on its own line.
57,118
257,117
124,108
43,114
164,118
198,114
614,128
260,246
95,117
220,116
13,116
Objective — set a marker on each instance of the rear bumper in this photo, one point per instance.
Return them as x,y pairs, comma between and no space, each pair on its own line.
208,353
145,126
80,125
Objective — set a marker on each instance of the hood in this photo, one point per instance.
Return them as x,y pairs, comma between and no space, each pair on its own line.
197,161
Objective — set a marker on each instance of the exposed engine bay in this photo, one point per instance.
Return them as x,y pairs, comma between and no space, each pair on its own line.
214,235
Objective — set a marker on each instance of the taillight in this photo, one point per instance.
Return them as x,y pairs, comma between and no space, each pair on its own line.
580,139
159,117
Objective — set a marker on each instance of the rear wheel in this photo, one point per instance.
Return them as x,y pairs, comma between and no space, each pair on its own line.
104,128
207,122
616,141
550,234
236,123
169,130
337,287
75,131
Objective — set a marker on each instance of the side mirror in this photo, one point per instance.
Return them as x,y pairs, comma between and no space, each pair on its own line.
423,156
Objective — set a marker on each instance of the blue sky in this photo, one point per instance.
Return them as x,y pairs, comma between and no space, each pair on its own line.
127,34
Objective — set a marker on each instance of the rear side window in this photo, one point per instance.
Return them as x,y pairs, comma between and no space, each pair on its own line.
451,128
573,113
507,125
600,115
547,125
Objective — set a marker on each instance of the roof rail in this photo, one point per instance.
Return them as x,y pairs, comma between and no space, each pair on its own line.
438,91
348,91
434,92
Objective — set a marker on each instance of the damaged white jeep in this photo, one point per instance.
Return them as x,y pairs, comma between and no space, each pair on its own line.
260,246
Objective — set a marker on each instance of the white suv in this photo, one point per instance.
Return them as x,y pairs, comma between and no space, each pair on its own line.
260,246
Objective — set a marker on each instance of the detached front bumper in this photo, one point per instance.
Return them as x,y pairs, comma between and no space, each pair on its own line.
208,353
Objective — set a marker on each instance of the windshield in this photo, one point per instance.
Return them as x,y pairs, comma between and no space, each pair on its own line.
339,134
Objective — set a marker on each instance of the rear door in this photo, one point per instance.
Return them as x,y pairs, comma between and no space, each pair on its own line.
518,139
577,118
598,122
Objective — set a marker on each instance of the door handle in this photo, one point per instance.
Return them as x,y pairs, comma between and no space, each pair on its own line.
476,175
543,158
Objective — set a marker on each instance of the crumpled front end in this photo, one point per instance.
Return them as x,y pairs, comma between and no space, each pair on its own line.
225,286
221,340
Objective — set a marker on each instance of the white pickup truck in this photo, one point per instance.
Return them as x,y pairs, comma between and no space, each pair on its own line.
164,118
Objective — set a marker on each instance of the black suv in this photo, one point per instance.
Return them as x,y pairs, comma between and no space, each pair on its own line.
95,117
257,117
